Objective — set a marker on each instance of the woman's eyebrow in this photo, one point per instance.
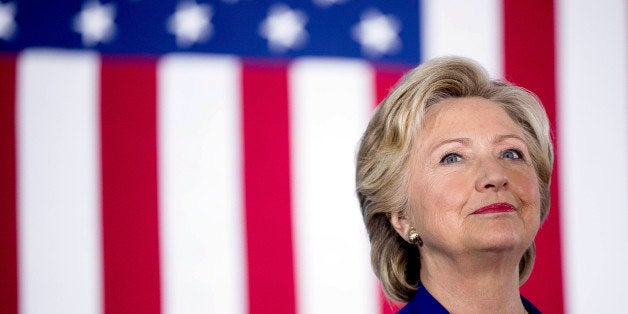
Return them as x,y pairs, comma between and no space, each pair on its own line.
504,137
465,140
461,140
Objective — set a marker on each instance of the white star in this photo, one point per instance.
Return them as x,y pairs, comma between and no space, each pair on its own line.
328,3
377,33
95,23
191,23
7,21
284,28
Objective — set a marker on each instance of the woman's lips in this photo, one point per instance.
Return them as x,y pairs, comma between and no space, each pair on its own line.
495,208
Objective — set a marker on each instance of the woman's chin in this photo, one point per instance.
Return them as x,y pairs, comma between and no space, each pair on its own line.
499,237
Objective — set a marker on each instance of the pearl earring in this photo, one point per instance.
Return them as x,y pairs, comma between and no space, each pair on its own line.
414,238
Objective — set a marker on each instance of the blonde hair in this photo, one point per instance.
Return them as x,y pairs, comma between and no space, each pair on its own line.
385,149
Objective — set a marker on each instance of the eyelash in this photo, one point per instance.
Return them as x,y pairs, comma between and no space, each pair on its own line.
443,160
517,152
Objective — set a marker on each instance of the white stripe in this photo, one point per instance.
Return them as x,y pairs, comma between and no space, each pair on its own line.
593,80
330,104
58,183
202,242
466,28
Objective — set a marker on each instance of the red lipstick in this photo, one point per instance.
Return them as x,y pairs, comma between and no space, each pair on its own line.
495,208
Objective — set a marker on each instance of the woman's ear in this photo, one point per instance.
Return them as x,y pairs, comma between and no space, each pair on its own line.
401,224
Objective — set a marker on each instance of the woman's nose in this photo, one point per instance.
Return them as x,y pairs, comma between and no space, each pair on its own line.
491,176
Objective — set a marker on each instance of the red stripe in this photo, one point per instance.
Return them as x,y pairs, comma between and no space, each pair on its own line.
8,219
129,191
529,62
267,190
387,306
385,80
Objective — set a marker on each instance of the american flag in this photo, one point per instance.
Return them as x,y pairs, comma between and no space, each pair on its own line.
192,156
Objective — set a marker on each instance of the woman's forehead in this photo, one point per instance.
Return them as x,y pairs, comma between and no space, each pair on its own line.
467,118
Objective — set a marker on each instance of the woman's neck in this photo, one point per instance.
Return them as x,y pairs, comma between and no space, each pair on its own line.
478,284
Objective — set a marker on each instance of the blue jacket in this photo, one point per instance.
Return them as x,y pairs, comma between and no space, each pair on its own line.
424,302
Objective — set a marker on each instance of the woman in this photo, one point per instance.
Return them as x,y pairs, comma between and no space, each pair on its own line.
453,179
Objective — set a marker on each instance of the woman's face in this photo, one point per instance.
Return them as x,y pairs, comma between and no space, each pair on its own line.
471,155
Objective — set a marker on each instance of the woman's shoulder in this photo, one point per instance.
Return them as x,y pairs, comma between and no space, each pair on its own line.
529,306
424,302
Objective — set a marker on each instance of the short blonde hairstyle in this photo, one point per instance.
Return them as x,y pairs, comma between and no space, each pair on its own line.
385,150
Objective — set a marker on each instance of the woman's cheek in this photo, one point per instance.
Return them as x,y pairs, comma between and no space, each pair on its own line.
527,184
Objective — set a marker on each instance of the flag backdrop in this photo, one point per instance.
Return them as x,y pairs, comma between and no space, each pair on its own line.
198,157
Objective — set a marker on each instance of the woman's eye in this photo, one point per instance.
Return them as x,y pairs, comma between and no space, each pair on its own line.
450,158
512,154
